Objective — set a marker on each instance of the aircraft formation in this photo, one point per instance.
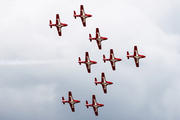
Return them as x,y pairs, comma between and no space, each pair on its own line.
112,59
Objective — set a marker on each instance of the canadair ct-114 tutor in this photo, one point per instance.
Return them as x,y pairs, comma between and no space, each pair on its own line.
98,38
58,24
71,101
103,82
136,56
87,61
112,59
82,15
94,104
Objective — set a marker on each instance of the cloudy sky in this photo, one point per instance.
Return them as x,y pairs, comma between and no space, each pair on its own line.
38,67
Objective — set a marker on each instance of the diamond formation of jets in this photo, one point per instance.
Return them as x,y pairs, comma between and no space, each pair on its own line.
136,56
71,101
103,82
87,61
98,38
82,15
112,59
58,24
94,104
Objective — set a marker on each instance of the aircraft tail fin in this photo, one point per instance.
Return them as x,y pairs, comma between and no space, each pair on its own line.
63,100
79,61
90,38
87,104
95,81
104,58
50,23
127,55
75,14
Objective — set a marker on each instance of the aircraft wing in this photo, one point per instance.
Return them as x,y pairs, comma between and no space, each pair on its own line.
135,51
83,21
97,33
95,111
70,96
57,19
82,10
87,57
88,68
104,88
59,31
136,62
113,65
111,54
99,44
72,107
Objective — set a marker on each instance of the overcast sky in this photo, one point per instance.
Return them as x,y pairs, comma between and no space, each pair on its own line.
38,67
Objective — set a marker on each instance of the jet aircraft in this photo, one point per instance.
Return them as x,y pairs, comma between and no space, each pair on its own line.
82,15
58,24
98,38
71,101
136,56
112,59
94,104
87,61
103,82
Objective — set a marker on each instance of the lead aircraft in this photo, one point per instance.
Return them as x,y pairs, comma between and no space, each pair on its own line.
98,38
58,24
87,61
136,56
112,59
103,82
94,104
82,15
71,101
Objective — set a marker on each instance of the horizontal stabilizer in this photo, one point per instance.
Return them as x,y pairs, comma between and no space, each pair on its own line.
50,23
79,61
90,38
104,58
63,100
95,81
75,14
87,104
127,55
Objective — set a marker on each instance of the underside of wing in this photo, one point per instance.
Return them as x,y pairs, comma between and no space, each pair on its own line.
136,62
81,10
83,21
88,68
104,88
135,51
72,107
70,96
99,44
59,30
95,111
111,54
97,33
57,19
113,65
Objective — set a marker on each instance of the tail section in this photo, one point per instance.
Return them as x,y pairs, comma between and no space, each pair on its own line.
104,58
79,61
63,100
50,23
87,104
127,55
75,14
90,38
95,81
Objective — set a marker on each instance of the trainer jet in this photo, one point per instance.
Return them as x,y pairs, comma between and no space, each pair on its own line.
58,24
94,104
71,101
112,59
98,38
87,61
136,56
103,82
82,15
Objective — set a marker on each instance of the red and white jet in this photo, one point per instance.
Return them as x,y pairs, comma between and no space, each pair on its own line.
94,104
87,61
98,38
58,24
83,15
112,59
136,56
103,82
71,101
